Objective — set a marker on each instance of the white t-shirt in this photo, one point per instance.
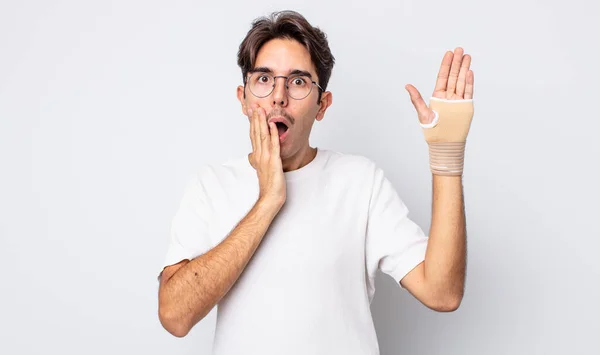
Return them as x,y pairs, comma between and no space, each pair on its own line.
309,285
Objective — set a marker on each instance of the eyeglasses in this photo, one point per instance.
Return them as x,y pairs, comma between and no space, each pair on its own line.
298,86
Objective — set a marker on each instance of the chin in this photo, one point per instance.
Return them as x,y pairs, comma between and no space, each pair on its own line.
285,152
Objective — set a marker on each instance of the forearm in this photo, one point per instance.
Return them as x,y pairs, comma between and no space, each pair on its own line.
190,294
445,260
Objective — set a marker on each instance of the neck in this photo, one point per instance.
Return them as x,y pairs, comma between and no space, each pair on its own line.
300,159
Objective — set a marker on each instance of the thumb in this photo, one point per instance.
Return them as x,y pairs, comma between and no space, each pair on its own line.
251,160
426,115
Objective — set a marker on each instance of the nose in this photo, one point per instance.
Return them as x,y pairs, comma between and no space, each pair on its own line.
280,92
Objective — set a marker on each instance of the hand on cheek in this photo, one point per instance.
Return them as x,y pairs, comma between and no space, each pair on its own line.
250,109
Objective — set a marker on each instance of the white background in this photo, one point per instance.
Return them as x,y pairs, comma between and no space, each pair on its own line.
107,107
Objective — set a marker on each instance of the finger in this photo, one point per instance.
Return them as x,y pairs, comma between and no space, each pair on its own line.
274,139
264,129
250,110
469,86
425,114
257,142
454,70
462,76
251,119
442,79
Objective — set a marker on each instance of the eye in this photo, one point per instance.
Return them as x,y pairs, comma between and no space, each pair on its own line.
264,79
299,81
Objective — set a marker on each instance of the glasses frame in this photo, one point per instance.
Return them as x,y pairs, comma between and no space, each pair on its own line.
287,88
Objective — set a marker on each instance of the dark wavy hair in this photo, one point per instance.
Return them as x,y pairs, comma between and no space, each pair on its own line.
290,25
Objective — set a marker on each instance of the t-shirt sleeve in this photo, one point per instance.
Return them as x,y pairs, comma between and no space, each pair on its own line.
394,243
189,235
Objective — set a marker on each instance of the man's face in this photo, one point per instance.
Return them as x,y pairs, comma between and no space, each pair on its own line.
286,57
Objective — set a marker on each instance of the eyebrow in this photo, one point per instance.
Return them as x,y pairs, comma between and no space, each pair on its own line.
269,71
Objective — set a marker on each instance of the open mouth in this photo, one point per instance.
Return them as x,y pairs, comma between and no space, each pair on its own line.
281,128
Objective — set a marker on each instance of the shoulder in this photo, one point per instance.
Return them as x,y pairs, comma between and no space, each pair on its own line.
349,163
230,170
357,171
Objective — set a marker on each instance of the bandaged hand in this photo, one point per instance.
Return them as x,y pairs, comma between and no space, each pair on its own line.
447,119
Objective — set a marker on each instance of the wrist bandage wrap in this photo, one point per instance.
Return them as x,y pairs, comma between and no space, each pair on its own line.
447,135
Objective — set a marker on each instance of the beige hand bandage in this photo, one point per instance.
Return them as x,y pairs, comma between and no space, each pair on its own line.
447,135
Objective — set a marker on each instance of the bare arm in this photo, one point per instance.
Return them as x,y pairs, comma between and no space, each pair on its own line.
439,281
189,290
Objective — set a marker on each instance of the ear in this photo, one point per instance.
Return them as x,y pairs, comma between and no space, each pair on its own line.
240,96
326,100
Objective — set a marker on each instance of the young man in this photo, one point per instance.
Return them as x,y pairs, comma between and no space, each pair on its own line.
287,241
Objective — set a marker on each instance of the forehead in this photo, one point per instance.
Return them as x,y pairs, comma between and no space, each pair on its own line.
283,56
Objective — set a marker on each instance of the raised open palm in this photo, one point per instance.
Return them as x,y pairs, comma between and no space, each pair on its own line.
454,82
